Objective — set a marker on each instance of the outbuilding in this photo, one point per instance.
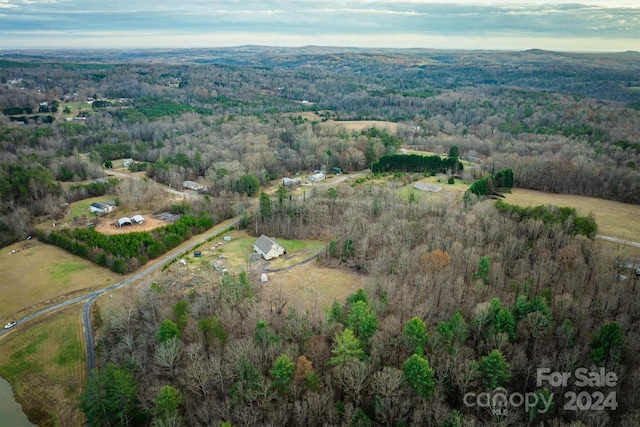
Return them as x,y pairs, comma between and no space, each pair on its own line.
124,221
138,219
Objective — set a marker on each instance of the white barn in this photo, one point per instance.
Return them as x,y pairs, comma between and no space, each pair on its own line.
268,248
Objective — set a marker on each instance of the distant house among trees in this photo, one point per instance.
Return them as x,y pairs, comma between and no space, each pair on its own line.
101,208
126,162
268,248
291,182
190,185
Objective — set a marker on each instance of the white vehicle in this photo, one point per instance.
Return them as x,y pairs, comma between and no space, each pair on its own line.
10,325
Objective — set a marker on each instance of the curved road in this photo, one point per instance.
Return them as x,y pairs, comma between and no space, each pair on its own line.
91,297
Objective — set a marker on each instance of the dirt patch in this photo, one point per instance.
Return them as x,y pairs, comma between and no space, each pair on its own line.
107,226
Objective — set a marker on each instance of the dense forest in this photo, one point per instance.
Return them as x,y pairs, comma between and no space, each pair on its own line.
461,296
564,123
458,300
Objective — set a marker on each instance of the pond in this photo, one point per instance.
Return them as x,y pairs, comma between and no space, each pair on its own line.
10,411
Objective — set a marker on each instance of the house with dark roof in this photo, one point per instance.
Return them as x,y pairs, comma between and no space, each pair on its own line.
100,208
268,248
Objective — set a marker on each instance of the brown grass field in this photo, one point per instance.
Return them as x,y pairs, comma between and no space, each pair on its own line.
349,125
45,364
311,286
614,219
37,275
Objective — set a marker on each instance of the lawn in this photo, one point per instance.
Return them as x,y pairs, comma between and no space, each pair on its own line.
237,252
46,366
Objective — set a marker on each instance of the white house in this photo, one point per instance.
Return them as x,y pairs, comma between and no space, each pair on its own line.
190,185
319,176
268,248
101,208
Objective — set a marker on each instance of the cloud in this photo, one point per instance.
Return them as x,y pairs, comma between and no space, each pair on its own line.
358,21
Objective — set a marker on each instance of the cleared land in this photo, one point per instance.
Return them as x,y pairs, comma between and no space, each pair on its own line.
614,219
305,286
107,226
36,275
45,364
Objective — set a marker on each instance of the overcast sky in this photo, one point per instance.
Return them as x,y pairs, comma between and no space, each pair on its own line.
599,25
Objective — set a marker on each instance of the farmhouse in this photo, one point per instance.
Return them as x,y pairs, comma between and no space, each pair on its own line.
268,248
190,185
138,219
100,208
124,221
318,176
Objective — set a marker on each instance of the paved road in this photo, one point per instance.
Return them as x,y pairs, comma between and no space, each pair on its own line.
91,297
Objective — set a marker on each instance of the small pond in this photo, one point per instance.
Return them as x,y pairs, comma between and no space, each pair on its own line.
10,411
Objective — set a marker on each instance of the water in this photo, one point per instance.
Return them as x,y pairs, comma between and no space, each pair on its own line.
11,414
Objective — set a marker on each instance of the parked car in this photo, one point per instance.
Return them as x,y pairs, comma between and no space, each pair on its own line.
10,325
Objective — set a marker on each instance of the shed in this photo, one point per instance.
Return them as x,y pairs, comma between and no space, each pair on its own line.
264,277
268,248
124,221
138,219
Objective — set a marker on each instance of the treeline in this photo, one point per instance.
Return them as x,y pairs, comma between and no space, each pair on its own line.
124,253
568,217
416,163
489,186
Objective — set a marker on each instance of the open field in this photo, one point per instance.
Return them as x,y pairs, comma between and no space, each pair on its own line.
45,364
311,286
37,275
349,125
614,219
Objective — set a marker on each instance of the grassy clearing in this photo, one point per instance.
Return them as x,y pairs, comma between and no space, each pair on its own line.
45,364
38,275
614,219
311,286
237,252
